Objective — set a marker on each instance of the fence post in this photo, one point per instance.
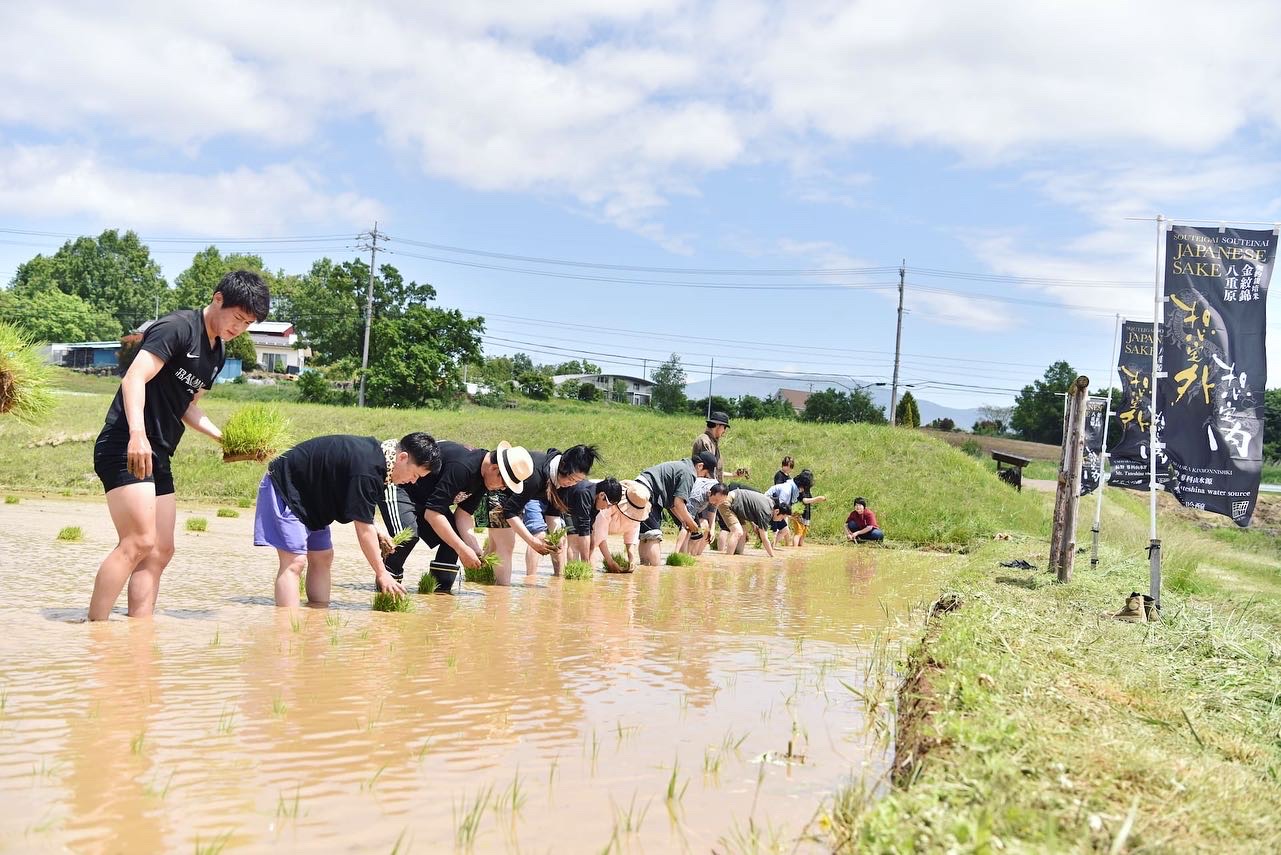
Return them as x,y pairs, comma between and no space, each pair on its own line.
1068,495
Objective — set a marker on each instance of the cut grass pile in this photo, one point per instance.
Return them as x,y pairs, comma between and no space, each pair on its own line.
26,380
71,533
386,601
12,500
578,570
197,524
924,492
255,432
228,513
484,574
427,584
681,559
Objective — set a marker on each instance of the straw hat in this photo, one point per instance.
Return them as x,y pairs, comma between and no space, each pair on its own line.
635,502
514,464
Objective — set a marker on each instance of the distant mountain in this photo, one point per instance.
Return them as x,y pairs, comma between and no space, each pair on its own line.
764,384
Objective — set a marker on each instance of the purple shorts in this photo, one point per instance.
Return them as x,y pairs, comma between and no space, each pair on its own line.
275,525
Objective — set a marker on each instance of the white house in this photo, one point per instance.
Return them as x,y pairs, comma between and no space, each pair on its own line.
636,390
275,342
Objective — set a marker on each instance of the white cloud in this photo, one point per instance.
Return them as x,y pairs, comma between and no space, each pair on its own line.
63,181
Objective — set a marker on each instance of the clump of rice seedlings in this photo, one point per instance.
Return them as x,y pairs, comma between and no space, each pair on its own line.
578,570
553,537
620,558
25,378
197,524
255,432
228,513
71,533
681,559
403,536
11,500
484,574
427,584
387,601
244,503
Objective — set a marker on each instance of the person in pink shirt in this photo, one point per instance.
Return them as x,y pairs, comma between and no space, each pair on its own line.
861,523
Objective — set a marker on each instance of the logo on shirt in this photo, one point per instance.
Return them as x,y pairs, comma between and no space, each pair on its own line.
195,355
194,383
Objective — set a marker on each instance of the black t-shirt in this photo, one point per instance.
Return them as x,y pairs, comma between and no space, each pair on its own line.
781,477
457,475
805,514
535,487
580,499
190,365
331,479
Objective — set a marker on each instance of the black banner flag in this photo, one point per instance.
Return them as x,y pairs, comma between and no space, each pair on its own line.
1129,457
1092,457
1210,401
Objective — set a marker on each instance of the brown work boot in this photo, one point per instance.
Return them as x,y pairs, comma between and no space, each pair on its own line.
1150,610
1133,610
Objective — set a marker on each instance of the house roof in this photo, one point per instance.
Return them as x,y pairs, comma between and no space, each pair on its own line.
272,327
795,397
561,378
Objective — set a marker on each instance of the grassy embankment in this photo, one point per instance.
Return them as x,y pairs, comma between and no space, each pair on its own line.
924,493
1026,720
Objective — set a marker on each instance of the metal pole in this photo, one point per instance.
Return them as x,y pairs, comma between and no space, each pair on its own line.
369,312
711,371
1158,305
898,343
1103,463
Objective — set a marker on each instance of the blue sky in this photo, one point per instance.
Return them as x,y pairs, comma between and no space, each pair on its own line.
997,147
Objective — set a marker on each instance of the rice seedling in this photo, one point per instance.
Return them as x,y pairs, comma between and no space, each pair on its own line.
578,570
620,558
289,809
403,536
11,500
217,637
630,820
160,793
138,743
228,513
368,786
427,584
681,559
25,378
400,841
214,846
422,752
484,574
554,537
227,722
197,524
675,794
255,432
511,799
278,708
71,533
467,818
302,586
386,601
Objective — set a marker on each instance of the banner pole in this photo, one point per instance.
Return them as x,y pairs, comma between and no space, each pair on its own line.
1158,304
1103,463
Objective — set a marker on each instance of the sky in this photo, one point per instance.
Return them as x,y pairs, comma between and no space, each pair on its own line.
736,182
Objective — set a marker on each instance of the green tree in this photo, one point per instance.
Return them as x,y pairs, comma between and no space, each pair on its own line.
619,392
573,366
588,392
194,286
777,407
416,357
750,407
242,347
1038,410
669,385
535,384
114,273
907,414
724,405
1271,424
942,424
54,316
832,406
313,388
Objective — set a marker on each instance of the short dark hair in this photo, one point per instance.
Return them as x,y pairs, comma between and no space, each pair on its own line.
805,480
861,501
244,289
787,461
611,488
422,448
717,488
578,458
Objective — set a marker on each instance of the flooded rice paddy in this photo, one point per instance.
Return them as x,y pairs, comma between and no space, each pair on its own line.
649,713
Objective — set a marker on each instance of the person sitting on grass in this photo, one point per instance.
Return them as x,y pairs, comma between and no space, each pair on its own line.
551,474
331,479
585,502
669,485
442,505
861,523
737,507
177,361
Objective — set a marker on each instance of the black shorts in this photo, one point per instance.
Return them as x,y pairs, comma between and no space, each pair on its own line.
777,525
111,462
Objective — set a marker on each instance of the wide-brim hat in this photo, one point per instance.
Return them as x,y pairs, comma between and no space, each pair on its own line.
718,418
635,503
514,464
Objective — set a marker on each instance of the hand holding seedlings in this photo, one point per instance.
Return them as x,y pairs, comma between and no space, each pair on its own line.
468,557
387,584
539,545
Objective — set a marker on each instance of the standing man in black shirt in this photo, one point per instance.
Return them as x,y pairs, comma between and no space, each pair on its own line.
331,479
177,361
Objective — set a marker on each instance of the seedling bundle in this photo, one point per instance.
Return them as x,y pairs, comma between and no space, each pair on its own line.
255,432
680,559
484,574
578,570
25,378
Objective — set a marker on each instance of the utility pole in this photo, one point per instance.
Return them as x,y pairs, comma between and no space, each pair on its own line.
898,343
710,371
1068,495
369,312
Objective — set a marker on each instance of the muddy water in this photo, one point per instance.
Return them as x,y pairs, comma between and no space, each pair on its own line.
554,712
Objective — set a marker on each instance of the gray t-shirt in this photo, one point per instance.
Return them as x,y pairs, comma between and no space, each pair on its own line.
697,502
671,480
751,507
